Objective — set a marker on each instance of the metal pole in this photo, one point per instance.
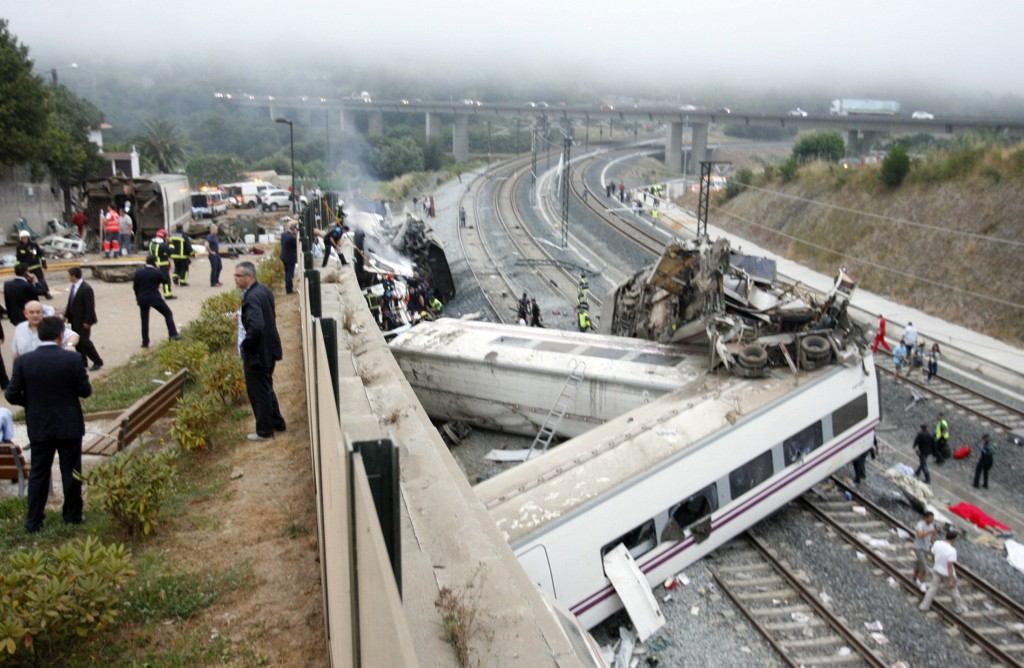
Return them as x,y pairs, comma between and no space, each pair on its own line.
291,141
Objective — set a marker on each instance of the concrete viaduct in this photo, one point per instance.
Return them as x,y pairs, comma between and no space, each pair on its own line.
860,131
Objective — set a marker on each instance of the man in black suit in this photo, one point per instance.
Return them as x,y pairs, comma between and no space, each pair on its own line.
147,283
20,290
81,315
289,254
49,382
260,349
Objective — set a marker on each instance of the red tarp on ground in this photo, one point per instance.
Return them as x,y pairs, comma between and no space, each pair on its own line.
977,516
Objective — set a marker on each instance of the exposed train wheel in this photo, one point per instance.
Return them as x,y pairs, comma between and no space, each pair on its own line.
753,357
815,348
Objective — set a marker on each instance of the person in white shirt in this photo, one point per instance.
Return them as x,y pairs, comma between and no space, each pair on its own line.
925,533
26,337
910,335
944,572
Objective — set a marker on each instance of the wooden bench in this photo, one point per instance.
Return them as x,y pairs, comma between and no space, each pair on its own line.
13,466
137,418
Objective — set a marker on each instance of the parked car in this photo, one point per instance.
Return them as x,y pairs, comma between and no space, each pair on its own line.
922,116
798,112
724,110
276,199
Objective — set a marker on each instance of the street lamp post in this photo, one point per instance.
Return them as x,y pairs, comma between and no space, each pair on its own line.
291,141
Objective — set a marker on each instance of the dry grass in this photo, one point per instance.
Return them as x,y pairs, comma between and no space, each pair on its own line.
946,275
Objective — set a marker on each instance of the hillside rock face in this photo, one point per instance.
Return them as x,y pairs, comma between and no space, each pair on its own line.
942,249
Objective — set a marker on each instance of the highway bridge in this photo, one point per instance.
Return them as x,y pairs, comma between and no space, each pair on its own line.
860,131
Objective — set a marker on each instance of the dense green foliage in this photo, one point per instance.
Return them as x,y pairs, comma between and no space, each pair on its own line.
50,598
132,487
215,169
895,166
827,146
42,125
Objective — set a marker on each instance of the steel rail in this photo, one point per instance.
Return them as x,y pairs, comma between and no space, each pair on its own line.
906,582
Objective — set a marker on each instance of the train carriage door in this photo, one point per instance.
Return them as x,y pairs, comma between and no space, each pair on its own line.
535,562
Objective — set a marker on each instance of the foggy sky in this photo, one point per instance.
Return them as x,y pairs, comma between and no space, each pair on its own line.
866,48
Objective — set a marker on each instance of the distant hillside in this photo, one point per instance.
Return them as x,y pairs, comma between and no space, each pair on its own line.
973,190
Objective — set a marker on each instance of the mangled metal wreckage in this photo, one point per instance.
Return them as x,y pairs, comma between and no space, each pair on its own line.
702,292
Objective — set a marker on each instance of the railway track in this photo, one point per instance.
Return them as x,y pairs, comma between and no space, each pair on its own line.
802,630
1001,416
993,621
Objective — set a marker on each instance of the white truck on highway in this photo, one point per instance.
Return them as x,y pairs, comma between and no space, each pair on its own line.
855,107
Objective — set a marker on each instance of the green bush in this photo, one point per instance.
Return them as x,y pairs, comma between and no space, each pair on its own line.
895,166
215,330
47,599
222,377
183,354
827,146
270,272
788,170
193,418
133,486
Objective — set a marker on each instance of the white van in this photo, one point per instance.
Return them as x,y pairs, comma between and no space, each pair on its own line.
245,194
208,203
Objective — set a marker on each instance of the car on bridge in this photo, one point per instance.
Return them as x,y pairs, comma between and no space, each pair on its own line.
798,112
922,116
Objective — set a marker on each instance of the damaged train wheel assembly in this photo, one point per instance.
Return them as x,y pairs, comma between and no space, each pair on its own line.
814,350
752,361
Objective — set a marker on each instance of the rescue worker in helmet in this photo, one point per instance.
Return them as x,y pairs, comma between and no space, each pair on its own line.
161,251
31,255
583,319
182,254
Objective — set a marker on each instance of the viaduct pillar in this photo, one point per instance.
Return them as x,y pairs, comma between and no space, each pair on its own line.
348,120
433,124
460,138
673,147
375,127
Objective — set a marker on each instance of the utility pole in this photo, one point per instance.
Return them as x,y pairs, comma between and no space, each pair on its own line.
705,195
564,187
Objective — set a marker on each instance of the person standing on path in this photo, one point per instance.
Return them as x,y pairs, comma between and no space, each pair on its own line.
899,358
933,361
535,314
213,252
182,253
910,336
924,446
941,439
289,254
333,240
944,572
31,255
146,284
924,534
125,230
259,345
50,383
81,315
462,216
160,251
988,451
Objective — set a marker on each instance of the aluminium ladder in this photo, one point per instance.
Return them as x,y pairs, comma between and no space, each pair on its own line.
565,399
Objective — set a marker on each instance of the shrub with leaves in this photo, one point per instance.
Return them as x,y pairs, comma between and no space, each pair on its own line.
132,486
895,166
182,354
48,599
222,377
270,272
213,329
195,414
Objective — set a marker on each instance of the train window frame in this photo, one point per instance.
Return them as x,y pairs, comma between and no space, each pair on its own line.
699,526
846,417
795,448
753,473
634,539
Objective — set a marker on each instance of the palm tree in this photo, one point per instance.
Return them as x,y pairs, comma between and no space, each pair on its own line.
162,144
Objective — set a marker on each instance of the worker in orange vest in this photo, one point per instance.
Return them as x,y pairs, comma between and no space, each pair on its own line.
111,232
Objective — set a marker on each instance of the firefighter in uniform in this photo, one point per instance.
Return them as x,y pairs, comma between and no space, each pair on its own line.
159,249
583,317
182,254
31,255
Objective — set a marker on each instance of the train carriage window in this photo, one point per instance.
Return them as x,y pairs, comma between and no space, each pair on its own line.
802,443
750,475
638,541
693,514
849,415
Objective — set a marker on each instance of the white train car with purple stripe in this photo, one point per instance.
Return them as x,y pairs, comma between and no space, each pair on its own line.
678,477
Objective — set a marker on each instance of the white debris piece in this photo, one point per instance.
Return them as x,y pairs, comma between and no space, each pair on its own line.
880,639
874,627
695,611
903,535
861,556
860,510
844,651
1015,554
800,618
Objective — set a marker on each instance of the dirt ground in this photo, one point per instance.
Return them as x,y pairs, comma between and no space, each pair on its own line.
264,513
